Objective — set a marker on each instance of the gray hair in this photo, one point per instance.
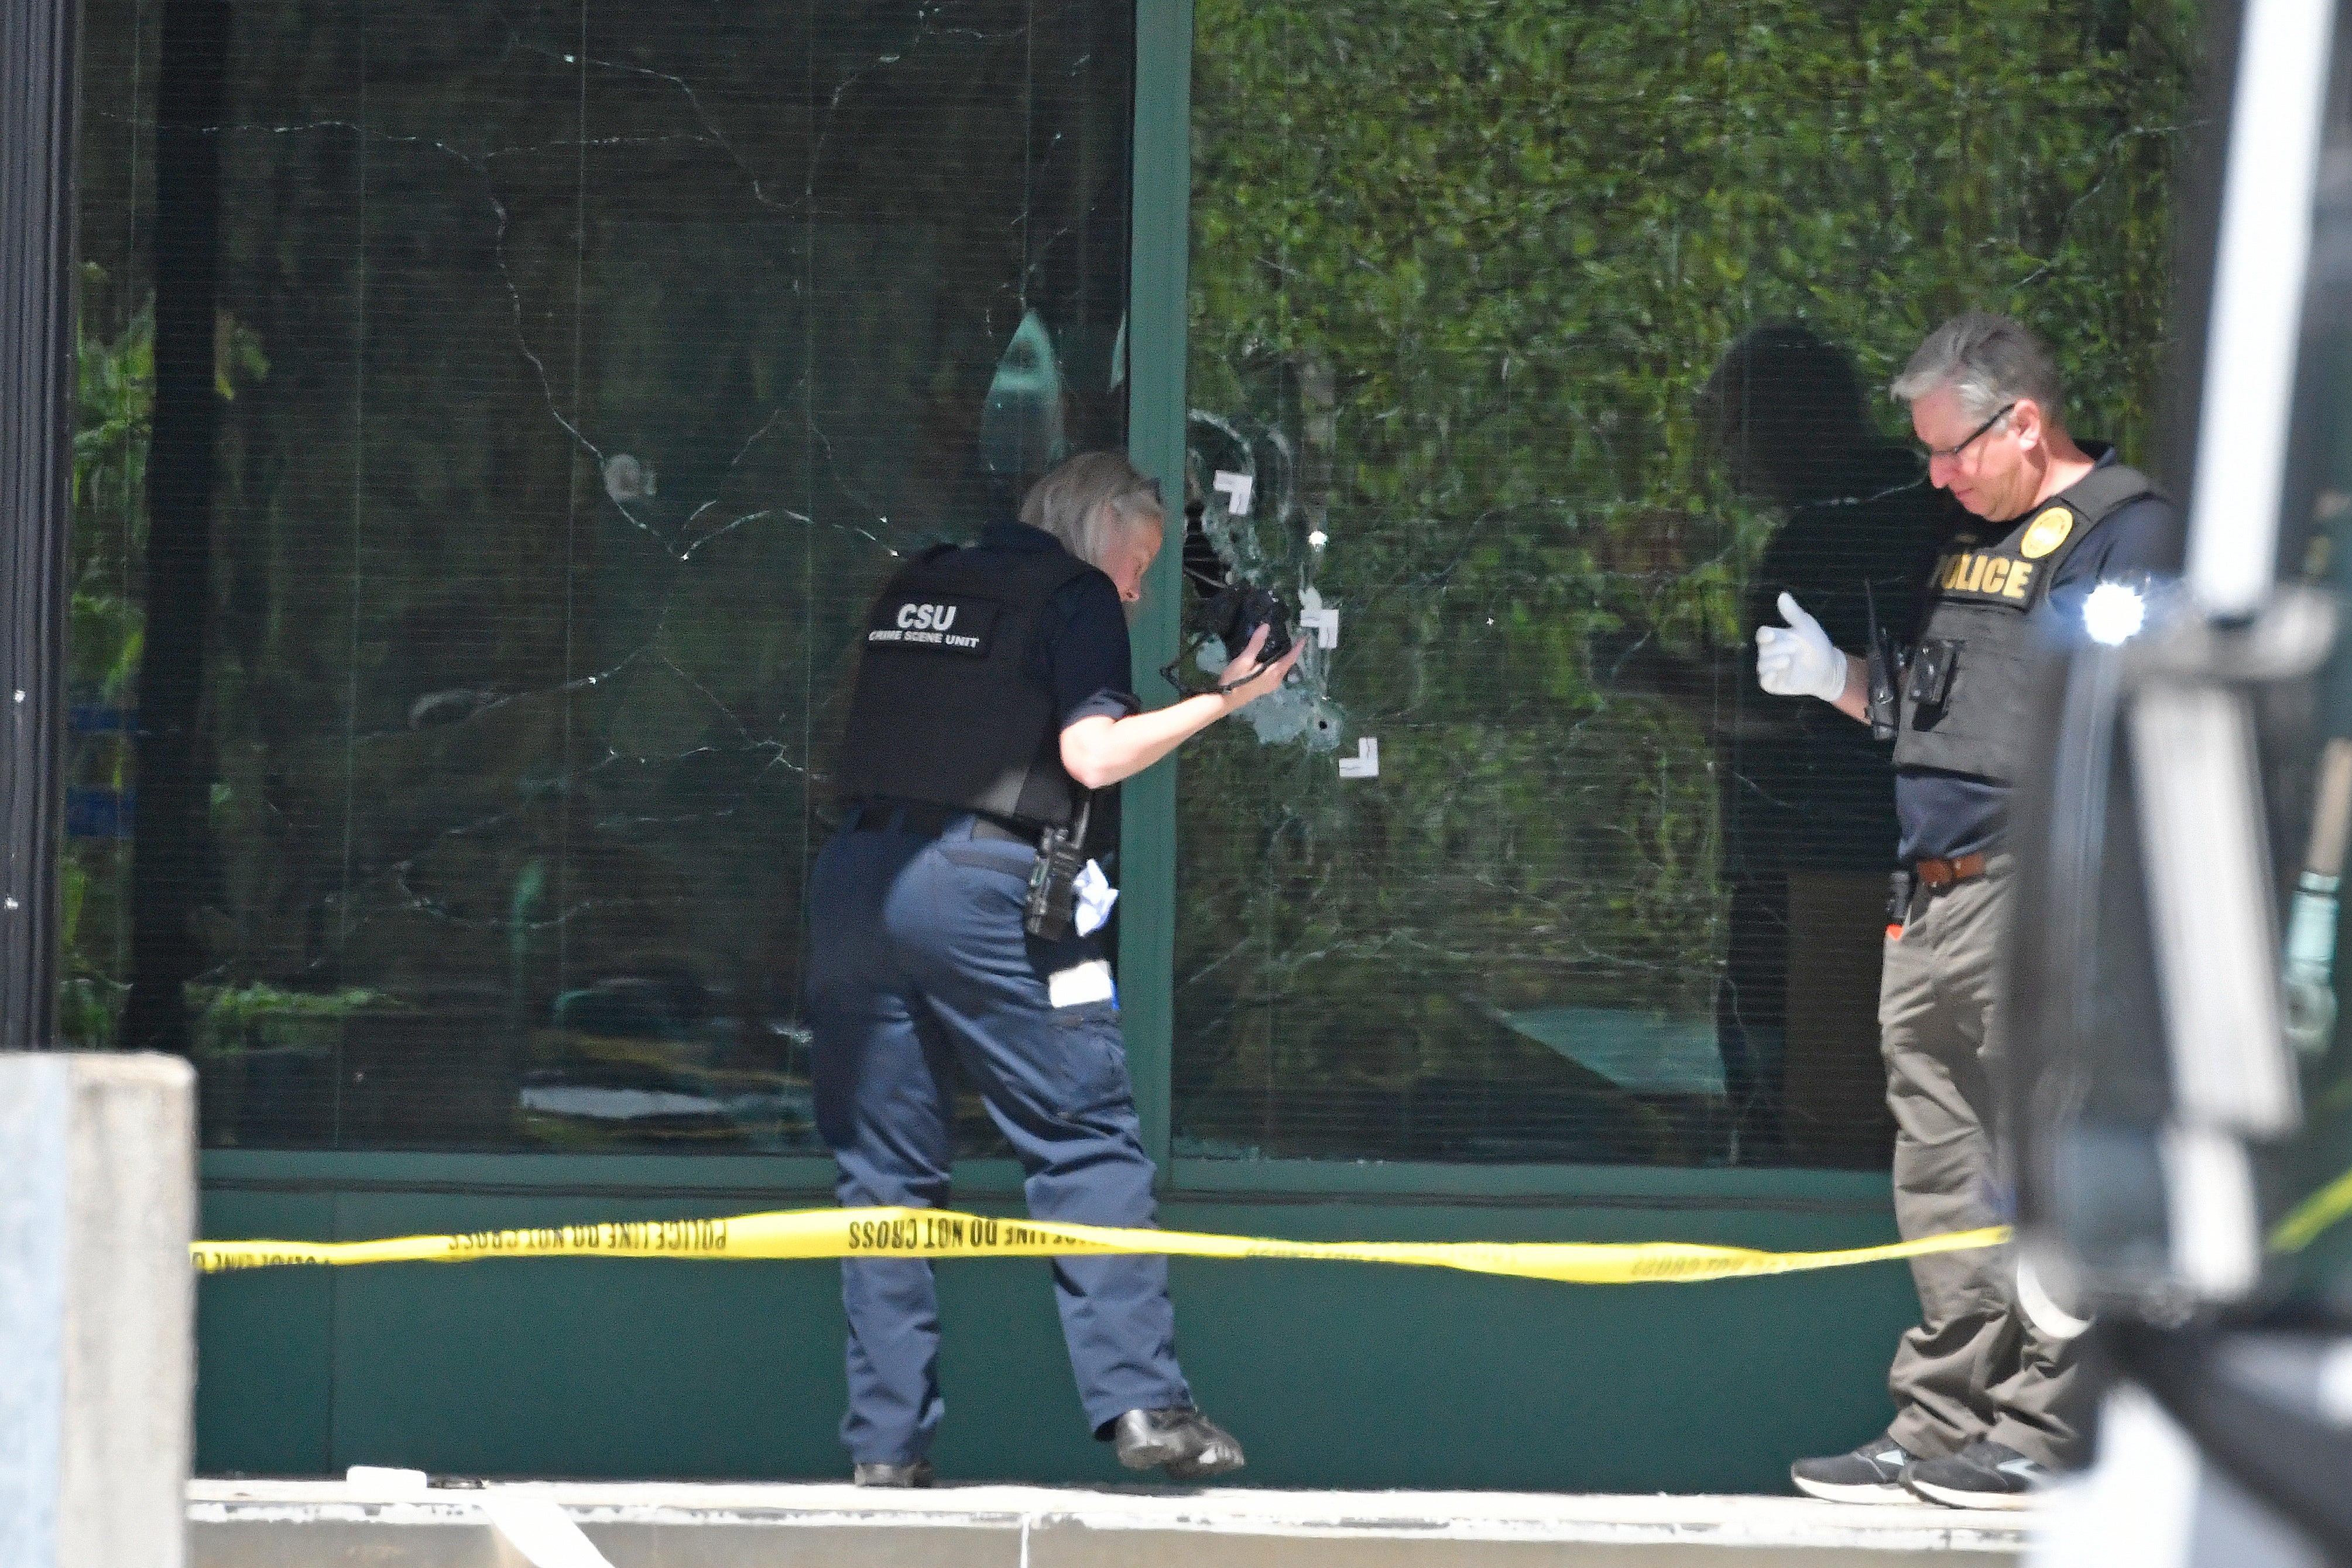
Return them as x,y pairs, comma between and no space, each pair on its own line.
1989,361
1090,501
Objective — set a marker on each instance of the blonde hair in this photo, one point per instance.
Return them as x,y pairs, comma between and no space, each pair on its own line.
1091,501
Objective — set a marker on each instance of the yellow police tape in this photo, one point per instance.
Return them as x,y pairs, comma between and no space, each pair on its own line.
943,1233
2314,1215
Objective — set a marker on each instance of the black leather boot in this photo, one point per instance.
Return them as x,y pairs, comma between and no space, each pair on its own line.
1185,1443
918,1474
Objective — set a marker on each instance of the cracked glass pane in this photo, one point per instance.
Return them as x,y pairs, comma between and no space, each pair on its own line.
1554,341
582,371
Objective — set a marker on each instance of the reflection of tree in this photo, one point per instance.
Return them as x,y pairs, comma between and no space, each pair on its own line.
1807,796
111,429
1508,245
114,424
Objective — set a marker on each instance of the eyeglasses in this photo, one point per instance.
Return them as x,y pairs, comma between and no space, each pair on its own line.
1929,454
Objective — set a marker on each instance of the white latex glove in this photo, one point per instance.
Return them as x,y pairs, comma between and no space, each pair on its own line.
1798,660
1095,895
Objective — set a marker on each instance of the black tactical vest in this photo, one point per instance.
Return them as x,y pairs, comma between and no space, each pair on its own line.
945,708
1965,700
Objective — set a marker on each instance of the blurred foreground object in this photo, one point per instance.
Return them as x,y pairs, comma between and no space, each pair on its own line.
2181,1088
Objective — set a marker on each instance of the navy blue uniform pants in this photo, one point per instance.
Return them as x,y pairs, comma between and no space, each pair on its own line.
919,964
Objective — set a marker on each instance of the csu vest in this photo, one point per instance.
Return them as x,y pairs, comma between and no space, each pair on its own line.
945,709
1965,700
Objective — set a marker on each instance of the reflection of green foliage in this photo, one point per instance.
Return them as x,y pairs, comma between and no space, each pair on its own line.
116,410
236,356
1513,239
233,1018
114,421
240,1006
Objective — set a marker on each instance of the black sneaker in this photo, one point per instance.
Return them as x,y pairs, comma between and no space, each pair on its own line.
1871,1473
1982,1475
1185,1443
918,1474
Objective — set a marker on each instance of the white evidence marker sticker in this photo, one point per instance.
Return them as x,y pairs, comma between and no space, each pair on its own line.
1080,984
1235,488
1320,618
1366,763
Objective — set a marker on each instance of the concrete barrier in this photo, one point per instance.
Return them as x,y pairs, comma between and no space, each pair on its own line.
97,1308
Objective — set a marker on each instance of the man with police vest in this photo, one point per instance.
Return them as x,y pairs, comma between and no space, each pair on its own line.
1987,1405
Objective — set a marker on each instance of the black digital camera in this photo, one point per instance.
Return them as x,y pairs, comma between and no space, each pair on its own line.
1220,607
1233,615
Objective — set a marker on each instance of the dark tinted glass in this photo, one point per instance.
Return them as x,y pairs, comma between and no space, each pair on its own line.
579,371
1566,330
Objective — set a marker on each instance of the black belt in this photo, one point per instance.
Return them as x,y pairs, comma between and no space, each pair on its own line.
928,819
1942,873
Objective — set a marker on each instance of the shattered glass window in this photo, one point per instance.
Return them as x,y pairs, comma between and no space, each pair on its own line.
445,721
1535,351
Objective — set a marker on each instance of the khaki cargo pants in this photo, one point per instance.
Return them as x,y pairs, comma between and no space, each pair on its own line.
1975,1367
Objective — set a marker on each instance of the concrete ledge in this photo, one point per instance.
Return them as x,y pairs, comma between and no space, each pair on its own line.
304,1524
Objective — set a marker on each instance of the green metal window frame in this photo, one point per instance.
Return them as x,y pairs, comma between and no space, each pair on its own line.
1158,258
1157,340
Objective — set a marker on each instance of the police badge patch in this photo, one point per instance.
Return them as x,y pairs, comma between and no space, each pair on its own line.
2046,533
